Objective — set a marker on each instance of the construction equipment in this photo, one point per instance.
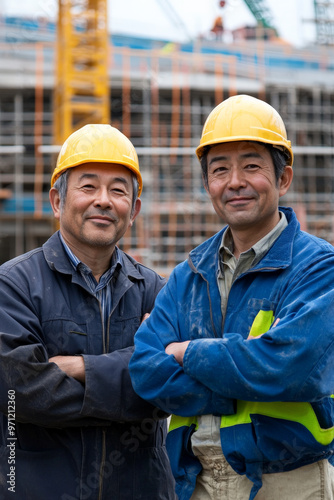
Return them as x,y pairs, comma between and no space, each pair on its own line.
262,14
81,85
324,21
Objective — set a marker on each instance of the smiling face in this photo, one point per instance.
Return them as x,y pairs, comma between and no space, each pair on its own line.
97,209
243,188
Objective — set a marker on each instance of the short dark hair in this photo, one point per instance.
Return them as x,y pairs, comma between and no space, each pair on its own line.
280,157
61,185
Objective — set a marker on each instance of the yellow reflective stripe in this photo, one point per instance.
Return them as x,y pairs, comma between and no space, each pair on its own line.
262,322
176,422
296,412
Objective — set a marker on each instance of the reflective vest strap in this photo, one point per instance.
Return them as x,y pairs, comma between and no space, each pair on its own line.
301,413
176,422
261,324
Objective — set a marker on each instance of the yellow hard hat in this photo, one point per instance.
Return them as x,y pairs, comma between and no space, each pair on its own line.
97,143
244,118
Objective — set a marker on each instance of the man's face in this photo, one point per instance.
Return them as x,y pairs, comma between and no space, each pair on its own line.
97,209
242,186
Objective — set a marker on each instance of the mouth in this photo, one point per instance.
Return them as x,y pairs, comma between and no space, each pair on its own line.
239,202
101,220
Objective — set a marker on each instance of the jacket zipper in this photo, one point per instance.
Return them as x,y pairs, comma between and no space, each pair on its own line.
208,292
105,342
103,454
103,459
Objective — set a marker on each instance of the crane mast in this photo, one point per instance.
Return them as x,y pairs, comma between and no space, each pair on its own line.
82,86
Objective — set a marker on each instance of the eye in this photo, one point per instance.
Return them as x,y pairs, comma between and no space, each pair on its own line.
118,190
252,166
88,186
219,169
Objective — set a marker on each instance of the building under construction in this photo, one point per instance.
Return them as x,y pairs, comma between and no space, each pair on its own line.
159,94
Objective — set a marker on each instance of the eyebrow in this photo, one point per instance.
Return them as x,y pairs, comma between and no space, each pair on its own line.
87,176
123,180
251,154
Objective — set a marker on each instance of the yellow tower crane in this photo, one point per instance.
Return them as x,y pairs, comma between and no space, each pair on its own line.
82,86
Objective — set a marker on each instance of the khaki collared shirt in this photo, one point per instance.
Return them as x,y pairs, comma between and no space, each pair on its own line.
206,440
231,267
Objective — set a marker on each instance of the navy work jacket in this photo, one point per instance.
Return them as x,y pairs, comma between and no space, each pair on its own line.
69,441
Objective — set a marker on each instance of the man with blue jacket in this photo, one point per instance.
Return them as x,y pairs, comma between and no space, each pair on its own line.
72,428
240,344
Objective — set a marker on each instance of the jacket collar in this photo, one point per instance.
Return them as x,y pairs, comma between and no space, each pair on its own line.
57,260
204,258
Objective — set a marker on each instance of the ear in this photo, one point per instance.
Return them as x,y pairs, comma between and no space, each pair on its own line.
55,202
136,211
285,180
206,187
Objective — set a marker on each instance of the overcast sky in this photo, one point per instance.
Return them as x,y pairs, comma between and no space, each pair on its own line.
153,18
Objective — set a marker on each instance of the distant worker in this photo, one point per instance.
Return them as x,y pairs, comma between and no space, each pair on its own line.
218,28
72,428
240,344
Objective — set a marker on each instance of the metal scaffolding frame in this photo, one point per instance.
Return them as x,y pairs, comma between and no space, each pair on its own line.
161,99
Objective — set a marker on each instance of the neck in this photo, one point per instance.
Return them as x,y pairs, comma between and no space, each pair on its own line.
245,238
97,263
97,259
241,243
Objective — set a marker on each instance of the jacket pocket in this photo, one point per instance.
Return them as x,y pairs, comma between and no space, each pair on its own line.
122,332
261,314
36,475
286,444
65,337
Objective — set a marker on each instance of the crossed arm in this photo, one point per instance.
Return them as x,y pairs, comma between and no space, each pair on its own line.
177,349
74,366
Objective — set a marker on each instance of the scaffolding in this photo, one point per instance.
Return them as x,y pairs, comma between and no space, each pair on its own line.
160,96
324,21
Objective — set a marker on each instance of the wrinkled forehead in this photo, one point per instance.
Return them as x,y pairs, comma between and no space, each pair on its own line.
99,169
239,149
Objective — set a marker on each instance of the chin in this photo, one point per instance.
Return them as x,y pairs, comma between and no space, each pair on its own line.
97,241
239,222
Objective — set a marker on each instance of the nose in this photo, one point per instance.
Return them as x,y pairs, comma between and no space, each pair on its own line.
103,198
236,178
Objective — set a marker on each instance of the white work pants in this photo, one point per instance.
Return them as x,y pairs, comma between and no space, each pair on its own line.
218,481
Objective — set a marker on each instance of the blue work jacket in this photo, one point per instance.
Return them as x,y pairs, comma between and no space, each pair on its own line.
69,441
266,367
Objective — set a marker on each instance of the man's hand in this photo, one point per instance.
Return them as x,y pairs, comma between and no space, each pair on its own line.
73,366
177,349
146,315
